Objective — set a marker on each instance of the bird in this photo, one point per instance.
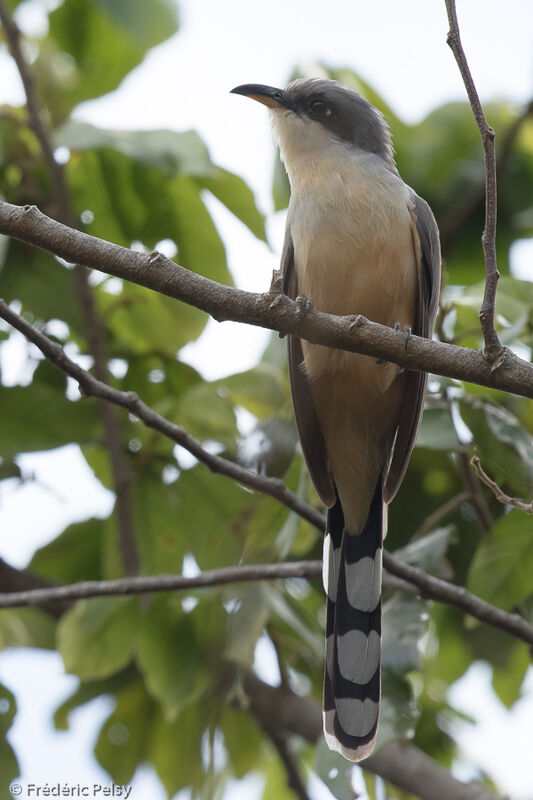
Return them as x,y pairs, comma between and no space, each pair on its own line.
358,240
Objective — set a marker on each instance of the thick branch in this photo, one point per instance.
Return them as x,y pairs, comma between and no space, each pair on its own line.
400,763
270,310
493,346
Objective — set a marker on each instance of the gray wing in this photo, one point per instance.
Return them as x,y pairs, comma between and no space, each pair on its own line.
311,439
427,245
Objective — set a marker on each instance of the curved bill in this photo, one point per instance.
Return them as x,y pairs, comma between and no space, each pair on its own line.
268,95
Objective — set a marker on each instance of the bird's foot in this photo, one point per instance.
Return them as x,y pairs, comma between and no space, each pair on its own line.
303,306
407,330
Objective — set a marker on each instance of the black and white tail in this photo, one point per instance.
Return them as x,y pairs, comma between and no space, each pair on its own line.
352,679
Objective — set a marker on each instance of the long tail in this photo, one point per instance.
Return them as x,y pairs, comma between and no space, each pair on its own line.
352,679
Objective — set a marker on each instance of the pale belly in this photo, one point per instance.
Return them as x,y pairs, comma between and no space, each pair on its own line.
357,400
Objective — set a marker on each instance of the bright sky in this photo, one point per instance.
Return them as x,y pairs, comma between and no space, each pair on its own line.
399,48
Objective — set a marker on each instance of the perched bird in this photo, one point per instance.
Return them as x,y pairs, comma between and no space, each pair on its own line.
358,241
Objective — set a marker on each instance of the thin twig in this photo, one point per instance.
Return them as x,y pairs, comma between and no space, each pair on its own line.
283,672
161,583
93,324
280,743
477,499
273,311
36,118
441,513
431,587
493,346
498,493
427,585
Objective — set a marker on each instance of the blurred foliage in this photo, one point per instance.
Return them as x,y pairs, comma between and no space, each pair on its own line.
163,659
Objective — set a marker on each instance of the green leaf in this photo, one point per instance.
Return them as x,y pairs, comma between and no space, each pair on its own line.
176,747
504,447
124,738
281,189
9,767
398,711
96,638
98,43
262,390
75,555
171,151
26,627
503,564
429,552
169,656
276,786
160,525
437,431
146,24
214,516
246,624
507,679
404,624
235,194
86,691
242,740
207,412
200,248
131,316
44,287
41,418
334,771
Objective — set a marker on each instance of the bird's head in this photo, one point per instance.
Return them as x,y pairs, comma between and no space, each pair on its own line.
311,117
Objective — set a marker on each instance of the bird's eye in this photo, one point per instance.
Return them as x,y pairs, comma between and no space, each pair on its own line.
320,109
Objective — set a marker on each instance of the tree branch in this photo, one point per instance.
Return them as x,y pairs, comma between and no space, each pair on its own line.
93,324
493,347
400,763
432,588
431,522
428,586
36,119
280,743
271,310
498,493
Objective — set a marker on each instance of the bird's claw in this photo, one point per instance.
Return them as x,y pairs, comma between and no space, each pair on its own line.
303,306
407,331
